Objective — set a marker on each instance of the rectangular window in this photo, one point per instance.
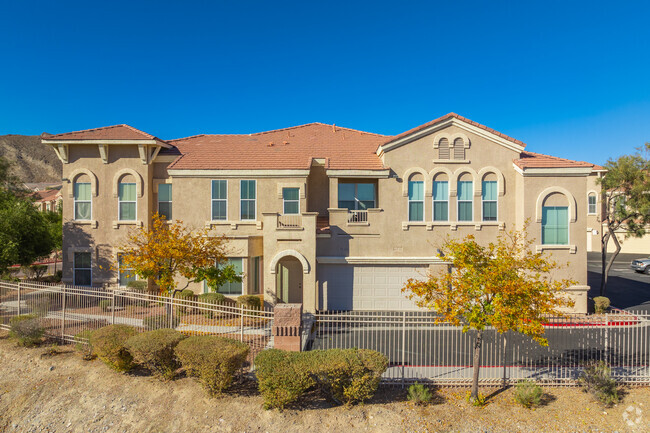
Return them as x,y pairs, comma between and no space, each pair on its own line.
440,201
465,200
125,275
82,201
357,196
416,200
233,288
82,269
248,196
592,204
165,200
219,200
126,200
291,198
489,198
256,275
555,225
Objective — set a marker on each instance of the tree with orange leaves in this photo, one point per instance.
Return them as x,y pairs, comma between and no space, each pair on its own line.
505,285
165,251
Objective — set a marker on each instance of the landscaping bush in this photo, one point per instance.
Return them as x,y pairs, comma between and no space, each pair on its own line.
213,360
137,286
58,276
105,304
26,329
160,321
155,351
601,304
419,394
597,380
349,375
250,301
184,295
34,272
109,343
83,346
213,299
282,377
528,393
40,305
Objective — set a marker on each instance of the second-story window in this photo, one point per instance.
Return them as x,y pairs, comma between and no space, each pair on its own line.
357,196
416,200
248,200
219,200
291,201
441,200
465,195
126,201
591,207
165,200
82,201
555,225
489,198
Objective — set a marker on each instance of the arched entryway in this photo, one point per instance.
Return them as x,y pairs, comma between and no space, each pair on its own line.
289,280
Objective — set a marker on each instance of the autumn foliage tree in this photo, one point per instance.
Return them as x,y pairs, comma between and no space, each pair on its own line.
165,251
504,285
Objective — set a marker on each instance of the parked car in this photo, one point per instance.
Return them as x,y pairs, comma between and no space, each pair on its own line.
641,265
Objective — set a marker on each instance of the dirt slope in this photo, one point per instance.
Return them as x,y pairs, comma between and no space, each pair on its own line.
65,394
33,161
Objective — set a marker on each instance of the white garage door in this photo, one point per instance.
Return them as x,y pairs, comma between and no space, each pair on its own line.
366,287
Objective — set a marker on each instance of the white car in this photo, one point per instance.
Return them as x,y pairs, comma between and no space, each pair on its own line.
641,265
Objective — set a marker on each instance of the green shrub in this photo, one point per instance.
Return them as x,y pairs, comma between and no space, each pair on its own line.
155,351
350,375
419,394
160,321
109,343
213,360
58,276
282,377
212,299
250,301
137,286
105,304
528,393
26,329
83,346
601,304
34,272
40,305
184,295
597,380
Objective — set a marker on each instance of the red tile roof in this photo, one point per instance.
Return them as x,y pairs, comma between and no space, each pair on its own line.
459,117
115,132
538,160
289,149
46,195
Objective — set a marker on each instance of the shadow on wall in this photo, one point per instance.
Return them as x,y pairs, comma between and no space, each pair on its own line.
335,293
78,239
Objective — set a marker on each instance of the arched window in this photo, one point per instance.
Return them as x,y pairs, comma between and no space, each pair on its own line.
443,148
82,198
591,203
459,149
555,220
126,197
441,197
489,197
465,190
416,197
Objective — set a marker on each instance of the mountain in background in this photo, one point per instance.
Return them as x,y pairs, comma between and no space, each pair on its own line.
31,161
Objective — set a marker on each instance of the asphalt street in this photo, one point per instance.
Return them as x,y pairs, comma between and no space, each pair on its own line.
626,289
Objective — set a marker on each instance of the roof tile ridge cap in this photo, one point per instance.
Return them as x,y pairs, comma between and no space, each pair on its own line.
88,130
557,157
176,160
139,131
188,137
285,129
360,131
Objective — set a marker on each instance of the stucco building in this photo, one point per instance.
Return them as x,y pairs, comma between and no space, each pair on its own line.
331,217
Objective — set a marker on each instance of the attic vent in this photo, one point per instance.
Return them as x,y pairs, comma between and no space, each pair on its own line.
443,149
459,149
270,144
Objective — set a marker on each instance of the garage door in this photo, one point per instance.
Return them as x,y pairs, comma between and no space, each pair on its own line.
366,287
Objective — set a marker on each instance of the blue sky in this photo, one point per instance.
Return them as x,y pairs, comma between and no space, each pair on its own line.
568,78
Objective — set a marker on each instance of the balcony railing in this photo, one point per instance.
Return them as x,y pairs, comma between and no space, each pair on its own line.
289,221
358,216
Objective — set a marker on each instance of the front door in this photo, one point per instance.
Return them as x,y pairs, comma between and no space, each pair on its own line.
289,280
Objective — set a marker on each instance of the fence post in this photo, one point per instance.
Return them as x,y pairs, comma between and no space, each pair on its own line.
113,307
504,360
63,315
607,338
403,346
241,329
19,287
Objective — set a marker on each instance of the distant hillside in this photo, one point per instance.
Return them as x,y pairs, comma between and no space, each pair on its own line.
31,160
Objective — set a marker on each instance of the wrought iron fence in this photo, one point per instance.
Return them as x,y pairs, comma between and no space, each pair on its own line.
65,312
423,349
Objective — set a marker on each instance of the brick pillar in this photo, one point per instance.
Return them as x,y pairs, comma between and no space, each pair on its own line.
287,327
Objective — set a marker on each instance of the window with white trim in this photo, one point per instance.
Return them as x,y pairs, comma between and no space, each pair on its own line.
233,288
125,274
291,201
219,200
165,200
126,201
82,275
591,203
440,200
489,200
555,225
465,200
248,199
416,200
82,201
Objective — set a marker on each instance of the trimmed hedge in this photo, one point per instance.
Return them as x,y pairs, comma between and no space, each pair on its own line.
601,304
213,360
155,351
348,375
212,299
250,301
109,343
160,321
26,329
